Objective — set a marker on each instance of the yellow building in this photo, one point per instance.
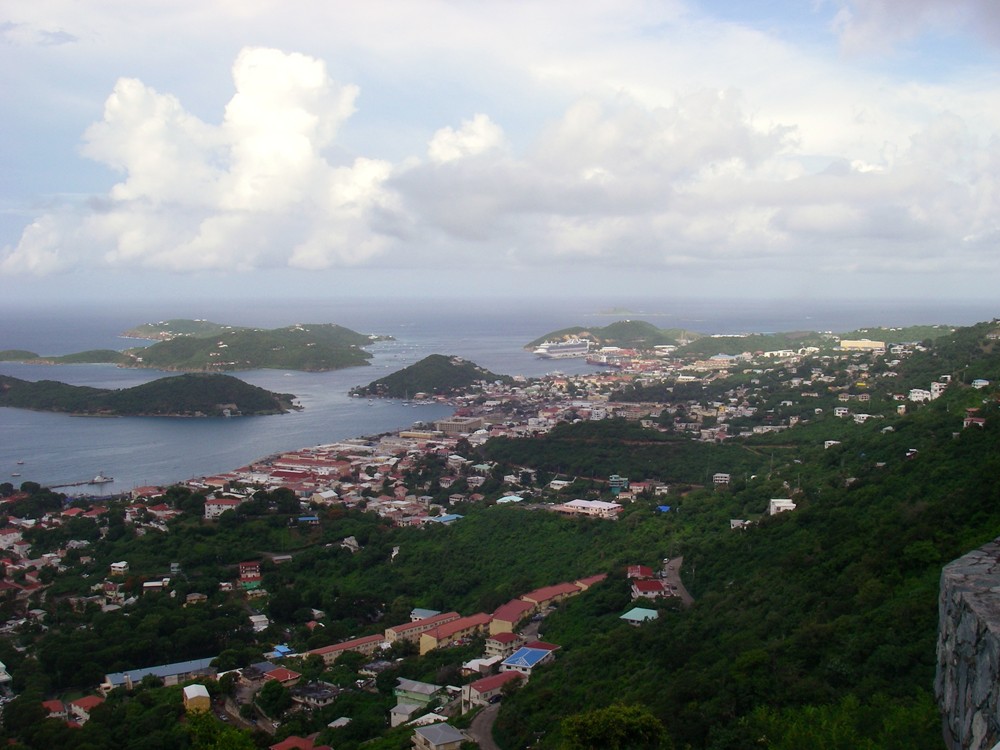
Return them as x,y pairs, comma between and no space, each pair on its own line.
196,698
861,344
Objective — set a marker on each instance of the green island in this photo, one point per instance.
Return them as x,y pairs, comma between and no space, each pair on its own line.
624,333
434,375
771,587
189,395
202,346
639,334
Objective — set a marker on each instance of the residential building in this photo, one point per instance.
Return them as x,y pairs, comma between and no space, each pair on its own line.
171,674
502,644
779,505
507,616
452,632
638,615
119,568
413,691
525,659
478,693
595,508
649,588
367,645
411,631
294,742
216,506
79,710
196,698
437,737
549,595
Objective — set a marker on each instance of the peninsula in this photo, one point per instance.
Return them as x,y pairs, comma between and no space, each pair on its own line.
202,346
191,395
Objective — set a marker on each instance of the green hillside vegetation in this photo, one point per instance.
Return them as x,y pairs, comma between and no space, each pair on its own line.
182,395
436,375
623,333
902,334
595,450
92,356
814,628
754,342
308,347
168,329
16,355
89,357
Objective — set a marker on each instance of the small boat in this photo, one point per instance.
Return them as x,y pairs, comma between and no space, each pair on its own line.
20,461
15,473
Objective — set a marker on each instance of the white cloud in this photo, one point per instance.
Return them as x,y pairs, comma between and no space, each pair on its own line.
877,25
255,191
476,136
647,134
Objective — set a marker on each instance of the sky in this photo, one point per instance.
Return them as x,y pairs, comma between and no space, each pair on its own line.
812,149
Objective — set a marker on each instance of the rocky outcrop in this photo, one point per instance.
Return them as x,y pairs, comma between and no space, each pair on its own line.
967,683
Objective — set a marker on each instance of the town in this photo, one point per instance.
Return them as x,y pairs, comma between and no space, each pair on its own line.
425,477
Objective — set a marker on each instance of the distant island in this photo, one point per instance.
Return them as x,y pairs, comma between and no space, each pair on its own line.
190,395
202,346
625,333
641,335
435,375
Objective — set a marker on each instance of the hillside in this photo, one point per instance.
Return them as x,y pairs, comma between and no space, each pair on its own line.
436,375
183,395
623,333
202,346
309,347
169,329
814,628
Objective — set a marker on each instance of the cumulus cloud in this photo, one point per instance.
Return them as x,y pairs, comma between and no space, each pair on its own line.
476,136
696,180
254,191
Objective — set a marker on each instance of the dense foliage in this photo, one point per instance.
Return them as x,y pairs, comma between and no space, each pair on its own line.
624,333
181,395
436,374
309,347
813,628
168,329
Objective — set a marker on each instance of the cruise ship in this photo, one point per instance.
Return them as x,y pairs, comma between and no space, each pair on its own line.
563,349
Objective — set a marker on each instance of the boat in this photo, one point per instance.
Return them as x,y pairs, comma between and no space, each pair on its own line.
563,349
101,479
15,473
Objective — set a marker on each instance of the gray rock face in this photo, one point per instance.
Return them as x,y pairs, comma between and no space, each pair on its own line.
967,683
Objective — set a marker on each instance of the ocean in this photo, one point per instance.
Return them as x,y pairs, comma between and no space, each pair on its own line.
56,449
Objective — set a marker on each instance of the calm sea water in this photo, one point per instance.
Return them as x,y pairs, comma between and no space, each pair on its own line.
58,449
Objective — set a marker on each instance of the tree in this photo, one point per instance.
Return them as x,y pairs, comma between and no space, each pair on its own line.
274,698
617,727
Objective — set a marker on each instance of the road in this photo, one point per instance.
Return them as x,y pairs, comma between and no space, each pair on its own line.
481,728
672,575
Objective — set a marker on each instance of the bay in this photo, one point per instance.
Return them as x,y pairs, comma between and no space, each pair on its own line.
57,449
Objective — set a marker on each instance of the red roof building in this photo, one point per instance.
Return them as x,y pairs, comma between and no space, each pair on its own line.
639,571
507,616
299,743
285,676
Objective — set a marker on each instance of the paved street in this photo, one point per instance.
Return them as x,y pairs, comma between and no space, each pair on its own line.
672,575
481,729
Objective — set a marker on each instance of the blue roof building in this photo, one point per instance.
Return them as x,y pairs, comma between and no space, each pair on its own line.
525,659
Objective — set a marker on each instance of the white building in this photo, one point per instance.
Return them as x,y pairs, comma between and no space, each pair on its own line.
780,505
